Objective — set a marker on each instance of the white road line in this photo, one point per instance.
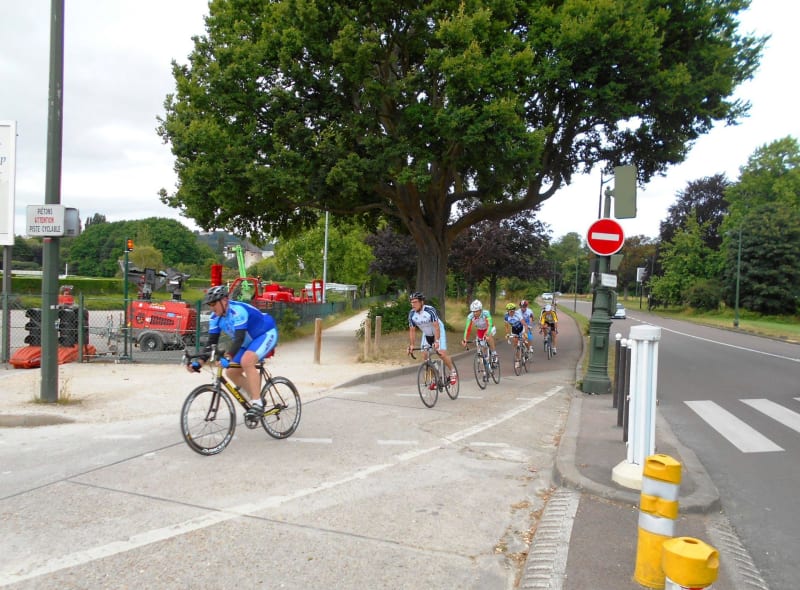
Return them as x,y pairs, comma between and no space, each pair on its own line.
316,441
738,432
33,568
776,411
755,350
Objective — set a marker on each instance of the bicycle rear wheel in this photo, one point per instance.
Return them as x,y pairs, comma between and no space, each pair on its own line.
282,407
426,384
208,420
452,390
480,371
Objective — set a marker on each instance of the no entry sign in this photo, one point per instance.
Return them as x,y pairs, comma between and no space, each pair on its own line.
605,237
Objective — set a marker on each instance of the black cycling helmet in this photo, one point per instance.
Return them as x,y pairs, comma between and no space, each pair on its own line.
417,295
214,294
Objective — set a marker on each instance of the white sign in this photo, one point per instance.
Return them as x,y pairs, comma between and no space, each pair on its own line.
8,158
45,221
608,280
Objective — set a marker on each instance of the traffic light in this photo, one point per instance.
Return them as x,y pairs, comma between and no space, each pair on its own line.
34,327
67,326
128,245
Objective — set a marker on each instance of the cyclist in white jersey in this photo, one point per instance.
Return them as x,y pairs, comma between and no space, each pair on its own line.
528,319
426,318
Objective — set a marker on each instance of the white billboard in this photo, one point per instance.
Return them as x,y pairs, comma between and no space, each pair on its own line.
8,163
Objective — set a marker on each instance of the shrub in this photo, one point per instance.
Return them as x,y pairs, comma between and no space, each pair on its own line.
704,294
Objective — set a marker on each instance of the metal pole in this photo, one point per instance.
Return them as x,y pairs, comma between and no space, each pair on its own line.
325,260
738,278
5,352
125,355
52,196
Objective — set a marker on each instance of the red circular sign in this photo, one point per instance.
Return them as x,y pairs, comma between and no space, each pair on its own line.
605,237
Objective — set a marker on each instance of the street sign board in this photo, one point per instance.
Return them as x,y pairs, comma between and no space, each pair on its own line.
605,237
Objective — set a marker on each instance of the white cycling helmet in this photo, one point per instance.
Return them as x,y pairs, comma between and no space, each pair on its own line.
476,306
548,307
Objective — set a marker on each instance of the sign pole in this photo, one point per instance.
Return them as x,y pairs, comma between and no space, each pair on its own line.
50,264
605,237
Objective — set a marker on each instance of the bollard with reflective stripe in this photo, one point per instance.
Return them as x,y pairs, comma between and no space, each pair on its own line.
658,509
689,564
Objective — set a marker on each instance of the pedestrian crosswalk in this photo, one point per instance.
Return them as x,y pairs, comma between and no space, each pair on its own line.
738,432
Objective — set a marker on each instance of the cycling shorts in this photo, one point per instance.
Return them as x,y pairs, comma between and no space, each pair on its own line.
261,345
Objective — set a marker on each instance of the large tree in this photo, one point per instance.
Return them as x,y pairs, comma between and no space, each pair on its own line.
703,199
404,110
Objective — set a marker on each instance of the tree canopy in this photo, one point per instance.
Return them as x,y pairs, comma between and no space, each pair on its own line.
405,111
97,250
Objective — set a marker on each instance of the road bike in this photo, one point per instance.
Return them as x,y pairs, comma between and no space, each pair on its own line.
208,416
485,367
433,377
522,353
548,341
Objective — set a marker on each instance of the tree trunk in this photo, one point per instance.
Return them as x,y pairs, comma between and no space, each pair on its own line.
492,293
432,268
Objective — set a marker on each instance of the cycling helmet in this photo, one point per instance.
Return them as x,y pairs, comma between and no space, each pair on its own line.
523,303
548,307
417,295
476,306
511,307
214,294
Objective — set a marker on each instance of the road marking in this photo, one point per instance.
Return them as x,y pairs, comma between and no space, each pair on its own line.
118,437
776,411
738,432
33,567
316,441
744,348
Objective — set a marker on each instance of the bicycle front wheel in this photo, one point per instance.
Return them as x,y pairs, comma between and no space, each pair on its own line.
208,420
452,390
426,384
282,407
495,371
518,360
480,371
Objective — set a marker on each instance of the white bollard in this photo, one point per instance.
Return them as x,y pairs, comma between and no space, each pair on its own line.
643,341
643,345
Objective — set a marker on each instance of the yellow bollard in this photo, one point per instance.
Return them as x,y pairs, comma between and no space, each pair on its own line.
658,509
689,564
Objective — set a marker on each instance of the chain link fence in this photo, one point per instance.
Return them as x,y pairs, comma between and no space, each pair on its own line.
153,331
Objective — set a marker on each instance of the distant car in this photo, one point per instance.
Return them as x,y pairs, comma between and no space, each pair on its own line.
547,296
619,314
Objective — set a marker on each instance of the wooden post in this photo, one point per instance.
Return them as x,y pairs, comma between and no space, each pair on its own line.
367,337
317,339
378,329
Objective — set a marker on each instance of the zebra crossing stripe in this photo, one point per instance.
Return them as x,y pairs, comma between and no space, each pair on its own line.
776,411
738,432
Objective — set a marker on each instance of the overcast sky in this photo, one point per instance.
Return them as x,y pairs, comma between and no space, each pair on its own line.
117,74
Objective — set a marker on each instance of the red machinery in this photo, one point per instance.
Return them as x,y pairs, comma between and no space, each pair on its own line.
156,325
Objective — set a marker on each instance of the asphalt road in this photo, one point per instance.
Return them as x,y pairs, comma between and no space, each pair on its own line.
734,400
373,491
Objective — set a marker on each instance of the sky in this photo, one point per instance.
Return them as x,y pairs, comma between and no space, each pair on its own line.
117,74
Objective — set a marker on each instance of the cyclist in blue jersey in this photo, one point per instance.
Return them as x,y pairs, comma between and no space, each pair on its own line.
426,318
253,336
